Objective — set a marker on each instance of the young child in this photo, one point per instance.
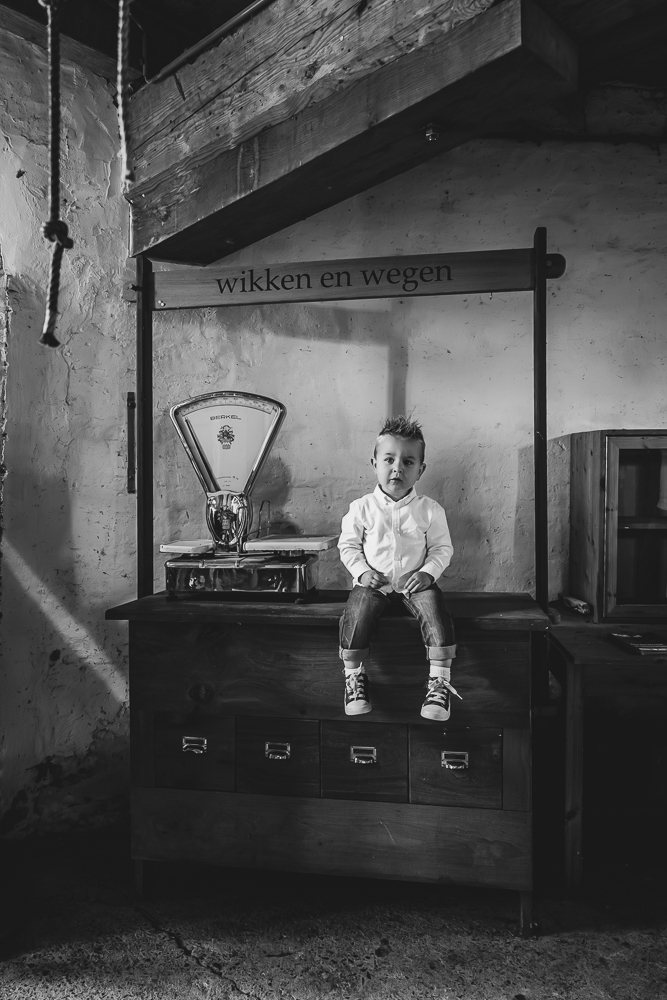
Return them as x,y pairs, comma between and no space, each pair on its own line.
396,544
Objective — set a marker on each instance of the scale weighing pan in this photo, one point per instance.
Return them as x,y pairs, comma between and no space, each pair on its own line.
291,543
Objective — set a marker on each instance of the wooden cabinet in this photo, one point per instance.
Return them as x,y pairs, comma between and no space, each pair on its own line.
615,749
242,754
618,524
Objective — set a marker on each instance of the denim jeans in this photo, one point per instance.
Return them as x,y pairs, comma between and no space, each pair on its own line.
365,606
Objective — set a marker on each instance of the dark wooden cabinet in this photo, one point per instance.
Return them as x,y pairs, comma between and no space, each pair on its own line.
615,703
242,754
618,524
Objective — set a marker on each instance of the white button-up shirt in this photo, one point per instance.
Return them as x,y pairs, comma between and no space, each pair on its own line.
395,537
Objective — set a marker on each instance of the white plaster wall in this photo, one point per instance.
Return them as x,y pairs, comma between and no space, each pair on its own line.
460,365
68,523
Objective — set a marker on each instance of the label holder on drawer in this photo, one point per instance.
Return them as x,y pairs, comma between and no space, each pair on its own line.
454,760
277,751
363,755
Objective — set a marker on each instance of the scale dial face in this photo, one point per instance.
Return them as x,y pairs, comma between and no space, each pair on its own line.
227,436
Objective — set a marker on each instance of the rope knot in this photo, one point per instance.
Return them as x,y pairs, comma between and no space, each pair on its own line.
57,232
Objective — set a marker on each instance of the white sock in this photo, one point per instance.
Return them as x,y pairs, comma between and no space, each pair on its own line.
357,668
441,668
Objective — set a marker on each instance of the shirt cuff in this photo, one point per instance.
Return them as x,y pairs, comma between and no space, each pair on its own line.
358,569
432,569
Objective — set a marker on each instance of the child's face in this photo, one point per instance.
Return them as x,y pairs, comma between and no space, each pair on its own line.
398,464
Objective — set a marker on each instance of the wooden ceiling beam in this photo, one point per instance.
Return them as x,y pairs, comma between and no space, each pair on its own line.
293,54
466,82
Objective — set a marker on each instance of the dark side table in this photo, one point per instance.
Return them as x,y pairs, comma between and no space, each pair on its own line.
616,692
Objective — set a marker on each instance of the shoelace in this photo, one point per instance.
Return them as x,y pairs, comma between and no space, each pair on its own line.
355,686
440,683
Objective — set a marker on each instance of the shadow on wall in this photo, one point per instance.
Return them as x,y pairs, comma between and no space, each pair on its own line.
448,483
524,521
396,342
558,515
558,457
471,532
274,487
355,321
64,702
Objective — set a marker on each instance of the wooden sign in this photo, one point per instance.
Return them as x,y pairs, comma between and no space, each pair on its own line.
357,278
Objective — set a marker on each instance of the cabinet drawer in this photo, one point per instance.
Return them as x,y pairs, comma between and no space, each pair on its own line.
278,756
457,767
362,760
195,752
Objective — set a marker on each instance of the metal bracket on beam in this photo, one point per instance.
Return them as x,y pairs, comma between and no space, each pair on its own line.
130,290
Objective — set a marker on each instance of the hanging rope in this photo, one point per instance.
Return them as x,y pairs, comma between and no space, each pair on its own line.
55,229
122,86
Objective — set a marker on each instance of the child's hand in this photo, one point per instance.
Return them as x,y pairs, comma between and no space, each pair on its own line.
373,580
418,581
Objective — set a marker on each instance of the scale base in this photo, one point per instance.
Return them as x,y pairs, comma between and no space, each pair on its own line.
231,574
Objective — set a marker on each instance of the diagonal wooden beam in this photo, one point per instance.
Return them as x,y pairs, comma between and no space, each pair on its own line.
469,81
293,54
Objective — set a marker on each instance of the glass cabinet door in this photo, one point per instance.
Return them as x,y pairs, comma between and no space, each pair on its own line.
636,526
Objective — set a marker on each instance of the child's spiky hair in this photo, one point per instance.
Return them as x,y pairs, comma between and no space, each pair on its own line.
403,427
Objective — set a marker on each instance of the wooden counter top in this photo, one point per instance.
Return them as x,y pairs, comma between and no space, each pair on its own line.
586,643
480,611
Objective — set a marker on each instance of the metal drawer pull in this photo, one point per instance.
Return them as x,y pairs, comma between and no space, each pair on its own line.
194,744
454,760
363,755
277,751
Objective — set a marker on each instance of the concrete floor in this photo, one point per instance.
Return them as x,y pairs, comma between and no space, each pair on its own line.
73,928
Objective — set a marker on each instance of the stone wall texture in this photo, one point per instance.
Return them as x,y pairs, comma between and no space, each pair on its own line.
462,366
68,522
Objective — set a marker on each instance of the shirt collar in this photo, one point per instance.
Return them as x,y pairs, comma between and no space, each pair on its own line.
386,501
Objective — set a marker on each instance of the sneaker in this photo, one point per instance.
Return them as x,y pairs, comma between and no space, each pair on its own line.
356,694
437,704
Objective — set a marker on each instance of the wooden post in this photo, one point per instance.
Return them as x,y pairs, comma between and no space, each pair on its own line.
144,426
574,777
540,417
131,442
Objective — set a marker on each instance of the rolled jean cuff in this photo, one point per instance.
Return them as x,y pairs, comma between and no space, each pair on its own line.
441,652
353,655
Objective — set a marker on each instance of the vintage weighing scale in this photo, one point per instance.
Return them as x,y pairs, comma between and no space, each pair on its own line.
227,437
